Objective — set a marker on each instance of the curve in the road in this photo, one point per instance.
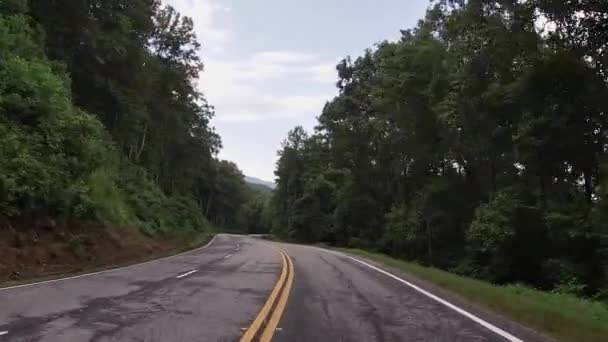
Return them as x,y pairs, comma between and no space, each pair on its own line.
109,269
463,312
271,327
265,324
160,301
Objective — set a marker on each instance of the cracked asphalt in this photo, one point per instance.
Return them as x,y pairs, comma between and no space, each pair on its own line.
148,302
336,299
333,299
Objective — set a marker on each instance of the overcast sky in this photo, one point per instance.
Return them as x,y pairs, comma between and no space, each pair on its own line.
270,64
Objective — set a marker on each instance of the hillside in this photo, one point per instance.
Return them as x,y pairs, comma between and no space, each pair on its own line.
102,129
259,188
253,180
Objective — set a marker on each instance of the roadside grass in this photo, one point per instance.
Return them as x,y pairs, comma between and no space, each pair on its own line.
564,317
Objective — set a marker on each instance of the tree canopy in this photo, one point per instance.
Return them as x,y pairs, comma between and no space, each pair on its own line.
475,143
101,119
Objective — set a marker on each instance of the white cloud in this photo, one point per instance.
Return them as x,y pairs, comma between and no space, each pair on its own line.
283,57
273,88
221,8
324,73
204,14
256,106
273,65
234,88
232,84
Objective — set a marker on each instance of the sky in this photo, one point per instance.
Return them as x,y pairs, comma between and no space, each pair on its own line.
270,64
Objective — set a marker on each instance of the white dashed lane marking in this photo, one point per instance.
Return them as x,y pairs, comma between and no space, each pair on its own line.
186,274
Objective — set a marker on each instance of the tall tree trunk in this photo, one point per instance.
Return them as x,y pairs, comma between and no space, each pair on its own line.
209,204
543,192
429,241
588,191
143,144
493,175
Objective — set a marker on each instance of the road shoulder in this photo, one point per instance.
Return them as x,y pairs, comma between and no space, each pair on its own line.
202,242
523,332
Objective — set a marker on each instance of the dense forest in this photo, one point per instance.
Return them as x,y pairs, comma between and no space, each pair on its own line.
101,121
476,143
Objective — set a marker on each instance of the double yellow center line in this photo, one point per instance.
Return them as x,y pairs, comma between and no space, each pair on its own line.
265,324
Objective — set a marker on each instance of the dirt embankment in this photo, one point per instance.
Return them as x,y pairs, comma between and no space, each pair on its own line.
46,248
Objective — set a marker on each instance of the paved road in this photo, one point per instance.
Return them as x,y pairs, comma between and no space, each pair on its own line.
333,298
337,299
148,302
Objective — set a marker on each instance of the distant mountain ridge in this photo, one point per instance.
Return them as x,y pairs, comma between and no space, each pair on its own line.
254,180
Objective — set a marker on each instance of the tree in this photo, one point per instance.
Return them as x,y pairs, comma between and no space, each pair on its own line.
101,119
473,144
289,174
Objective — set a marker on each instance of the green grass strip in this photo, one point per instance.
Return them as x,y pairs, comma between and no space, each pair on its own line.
564,317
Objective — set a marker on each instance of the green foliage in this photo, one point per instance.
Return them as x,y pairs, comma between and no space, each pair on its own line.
24,177
227,196
49,147
182,213
9,7
312,216
403,231
17,38
145,158
493,224
153,211
259,188
496,233
474,144
99,199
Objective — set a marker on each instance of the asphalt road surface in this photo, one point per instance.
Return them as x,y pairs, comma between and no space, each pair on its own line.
215,293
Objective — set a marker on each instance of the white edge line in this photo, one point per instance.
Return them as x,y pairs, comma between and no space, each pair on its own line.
109,270
463,312
3,333
186,274
227,256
